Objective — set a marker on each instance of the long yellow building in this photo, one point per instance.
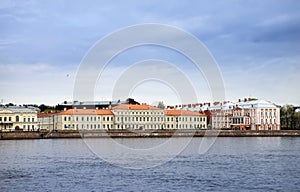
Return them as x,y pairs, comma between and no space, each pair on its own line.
123,116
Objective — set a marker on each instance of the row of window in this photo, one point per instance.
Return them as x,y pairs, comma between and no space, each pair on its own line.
9,119
121,119
139,113
151,119
268,127
268,121
88,126
110,126
201,119
87,118
240,121
25,127
185,126
266,113
138,126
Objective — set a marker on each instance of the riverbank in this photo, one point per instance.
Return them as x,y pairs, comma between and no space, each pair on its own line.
144,133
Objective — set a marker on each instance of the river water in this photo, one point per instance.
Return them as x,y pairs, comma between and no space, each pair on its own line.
231,164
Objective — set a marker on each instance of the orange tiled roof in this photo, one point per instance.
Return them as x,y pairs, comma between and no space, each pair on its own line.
135,107
86,112
45,115
182,113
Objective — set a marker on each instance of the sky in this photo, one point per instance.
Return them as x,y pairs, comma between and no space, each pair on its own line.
256,45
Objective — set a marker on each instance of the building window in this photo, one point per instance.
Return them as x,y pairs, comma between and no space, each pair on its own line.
32,119
65,118
4,118
9,118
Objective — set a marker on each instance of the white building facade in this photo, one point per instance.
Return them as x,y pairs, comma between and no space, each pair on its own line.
18,118
183,119
129,116
123,116
78,119
247,115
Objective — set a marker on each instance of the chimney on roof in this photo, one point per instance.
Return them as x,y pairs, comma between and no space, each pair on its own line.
97,108
109,106
84,107
65,109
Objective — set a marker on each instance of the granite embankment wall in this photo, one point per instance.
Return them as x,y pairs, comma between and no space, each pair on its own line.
137,134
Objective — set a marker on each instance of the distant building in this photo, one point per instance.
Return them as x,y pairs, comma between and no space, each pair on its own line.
15,118
183,119
123,116
93,104
221,114
84,119
242,115
46,121
246,115
262,115
129,116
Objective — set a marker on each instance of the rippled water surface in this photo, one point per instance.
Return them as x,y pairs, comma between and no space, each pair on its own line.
231,164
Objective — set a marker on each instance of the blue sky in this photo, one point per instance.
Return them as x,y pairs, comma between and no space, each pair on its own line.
255,43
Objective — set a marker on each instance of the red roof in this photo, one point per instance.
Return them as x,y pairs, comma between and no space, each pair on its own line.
86,112
182,113
45,115
135,107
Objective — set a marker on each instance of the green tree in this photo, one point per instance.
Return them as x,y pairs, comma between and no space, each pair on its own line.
45,108
289,117
9,105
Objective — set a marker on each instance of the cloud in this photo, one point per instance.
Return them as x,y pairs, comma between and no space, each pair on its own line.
40,42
